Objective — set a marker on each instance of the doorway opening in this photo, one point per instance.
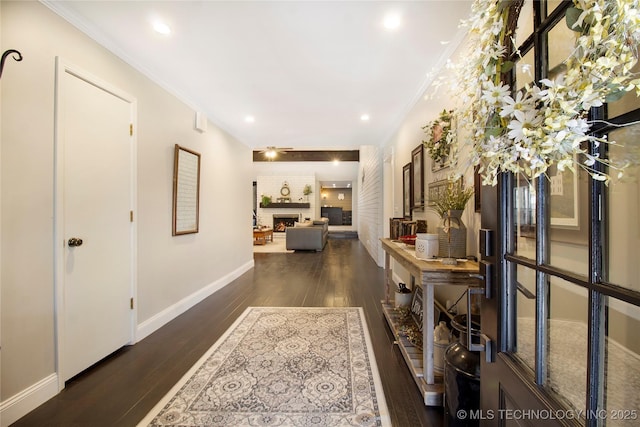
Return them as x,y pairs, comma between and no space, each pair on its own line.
336,203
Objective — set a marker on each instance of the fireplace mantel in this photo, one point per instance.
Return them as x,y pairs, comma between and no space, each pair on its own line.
286,206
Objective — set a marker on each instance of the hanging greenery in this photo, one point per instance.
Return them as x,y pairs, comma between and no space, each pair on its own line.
440,135
546,123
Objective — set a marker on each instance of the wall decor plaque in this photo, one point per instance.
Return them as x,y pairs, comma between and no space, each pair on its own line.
186,191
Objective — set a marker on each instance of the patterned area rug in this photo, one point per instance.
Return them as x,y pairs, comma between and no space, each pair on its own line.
282,367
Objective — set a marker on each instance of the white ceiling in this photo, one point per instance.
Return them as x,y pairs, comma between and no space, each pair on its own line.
305,70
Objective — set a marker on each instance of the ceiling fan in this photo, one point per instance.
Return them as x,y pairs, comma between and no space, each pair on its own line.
271,152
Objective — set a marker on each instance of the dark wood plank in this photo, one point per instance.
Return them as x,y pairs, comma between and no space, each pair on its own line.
121,389
309,156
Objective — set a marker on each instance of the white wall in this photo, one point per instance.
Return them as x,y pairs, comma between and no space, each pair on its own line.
370,201
271,185
173,272
323,171
408,136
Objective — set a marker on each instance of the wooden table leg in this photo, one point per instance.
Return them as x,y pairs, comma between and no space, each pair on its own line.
388,274
427,333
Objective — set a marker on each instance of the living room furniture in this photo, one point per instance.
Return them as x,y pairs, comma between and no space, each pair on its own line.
311,236
428,274
261,235
333,213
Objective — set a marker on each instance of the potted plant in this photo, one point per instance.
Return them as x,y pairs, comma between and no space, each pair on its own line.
452,234
266,201
307,190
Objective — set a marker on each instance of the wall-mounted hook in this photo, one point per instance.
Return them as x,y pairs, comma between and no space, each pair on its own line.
7,53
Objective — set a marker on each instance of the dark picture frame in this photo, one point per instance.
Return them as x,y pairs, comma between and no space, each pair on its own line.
186,191
417,174
407,190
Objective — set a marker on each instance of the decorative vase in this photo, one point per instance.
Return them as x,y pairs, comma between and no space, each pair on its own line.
403,296
452,236
403,300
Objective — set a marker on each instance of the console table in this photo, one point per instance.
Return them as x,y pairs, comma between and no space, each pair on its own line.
428,274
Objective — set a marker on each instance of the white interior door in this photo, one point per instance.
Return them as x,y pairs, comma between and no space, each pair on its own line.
97,188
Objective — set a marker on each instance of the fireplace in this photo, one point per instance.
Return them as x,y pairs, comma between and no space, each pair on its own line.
282,221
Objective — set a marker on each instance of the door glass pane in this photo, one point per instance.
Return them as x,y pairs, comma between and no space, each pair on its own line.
623,209
627,103
560,44
524,197
526,315
552,5
525,23
569,217
622,363
567,337
525,71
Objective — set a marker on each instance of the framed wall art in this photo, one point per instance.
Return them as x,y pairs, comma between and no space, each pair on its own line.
407,194
186,191
417,311
569,214
417,173
564,197
441,134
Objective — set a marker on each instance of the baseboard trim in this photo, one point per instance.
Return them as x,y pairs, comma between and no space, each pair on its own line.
154,323
19,405
35,395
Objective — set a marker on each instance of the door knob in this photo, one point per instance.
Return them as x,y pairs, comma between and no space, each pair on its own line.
74,241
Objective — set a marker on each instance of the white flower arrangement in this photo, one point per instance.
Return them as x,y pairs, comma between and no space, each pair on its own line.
545,124
440,136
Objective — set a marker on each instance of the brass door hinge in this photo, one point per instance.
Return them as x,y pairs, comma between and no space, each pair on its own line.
131,303
131,129
130,216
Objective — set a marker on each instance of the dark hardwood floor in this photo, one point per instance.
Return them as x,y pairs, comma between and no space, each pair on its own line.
120,390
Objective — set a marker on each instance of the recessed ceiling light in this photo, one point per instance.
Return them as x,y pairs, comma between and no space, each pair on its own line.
249,119
161,28
392,21
336,162
364,117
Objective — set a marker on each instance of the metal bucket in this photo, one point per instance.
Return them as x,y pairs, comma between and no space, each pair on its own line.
461,375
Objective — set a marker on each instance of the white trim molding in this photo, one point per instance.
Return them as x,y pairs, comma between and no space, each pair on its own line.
154,323
17,406
63,67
